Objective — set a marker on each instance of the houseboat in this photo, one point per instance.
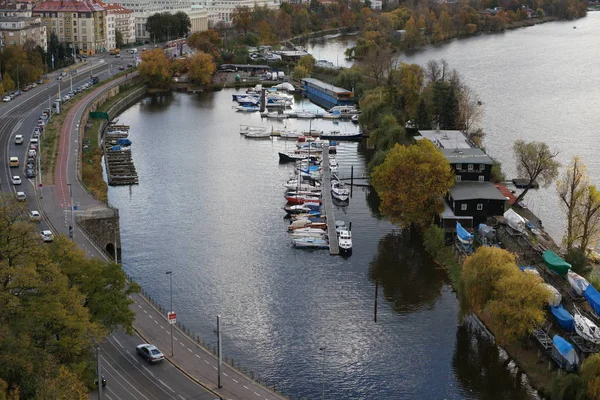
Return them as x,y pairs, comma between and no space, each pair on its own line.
327,95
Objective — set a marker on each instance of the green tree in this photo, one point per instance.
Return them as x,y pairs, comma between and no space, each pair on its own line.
155,67
7,82
497,176
411,182
590,376
119,39
423,121
571,189
588,216
300,72
535,161
433,240
183,25
202,68
351,79
308,62
579,261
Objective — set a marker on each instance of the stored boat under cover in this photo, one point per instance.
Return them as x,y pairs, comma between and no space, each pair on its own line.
564,354
563,317
555,263
593,297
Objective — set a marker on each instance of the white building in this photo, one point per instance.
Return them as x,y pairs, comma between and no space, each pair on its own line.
222,10
111,41
376,5
122,20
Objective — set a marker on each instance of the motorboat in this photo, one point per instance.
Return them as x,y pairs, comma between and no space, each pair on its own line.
340,226
306,223
312,133
289,134
295,184
339,190
244,129
555,297
258,135
311,231
300,209
337,135
463,236
577,282
247,108
586,328
564,354
347,110
310,243
563,317
305,115
292,157
354,119
333,165
302,199
274,115
333,115
345,242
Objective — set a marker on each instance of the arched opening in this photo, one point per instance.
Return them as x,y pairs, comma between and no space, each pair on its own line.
110,250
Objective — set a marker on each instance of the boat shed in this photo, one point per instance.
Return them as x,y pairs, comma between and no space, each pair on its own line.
446,139
479,200
327,95
291,55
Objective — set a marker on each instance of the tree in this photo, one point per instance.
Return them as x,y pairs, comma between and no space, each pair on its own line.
378,63
571,190
307,62
588,217
202,68
351,79
433,240
155,67
282,25
7,82
411,183
590,376
300,72
470,111
183,24
423,121
119,39
535,162
241,18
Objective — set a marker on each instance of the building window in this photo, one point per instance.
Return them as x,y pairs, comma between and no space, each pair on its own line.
61,30
470,167
75,15
459,166
481,167
457,178
74,30
83,22
479,207
84,38
463,207
481,178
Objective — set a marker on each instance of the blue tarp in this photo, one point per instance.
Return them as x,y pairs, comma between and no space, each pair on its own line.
124,142
115,148
593,297
564,353
463,235
562,345
564,318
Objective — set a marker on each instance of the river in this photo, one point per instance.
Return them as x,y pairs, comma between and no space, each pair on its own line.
536,83
208,207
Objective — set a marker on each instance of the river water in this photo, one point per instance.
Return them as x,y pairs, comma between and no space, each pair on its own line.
536,83
209,202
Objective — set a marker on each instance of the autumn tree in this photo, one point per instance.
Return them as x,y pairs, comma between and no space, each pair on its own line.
378,63
590,376
470,111
207,41
300,72
571,188
588,217
241,18
119,39
202,68
155,67
411,183
7,82
535,162
307,62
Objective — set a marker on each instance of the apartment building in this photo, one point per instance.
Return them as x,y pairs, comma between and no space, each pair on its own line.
17,30
222,10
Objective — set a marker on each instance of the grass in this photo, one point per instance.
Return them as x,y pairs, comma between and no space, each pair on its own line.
91,160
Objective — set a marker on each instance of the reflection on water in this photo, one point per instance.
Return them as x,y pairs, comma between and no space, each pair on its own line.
409,278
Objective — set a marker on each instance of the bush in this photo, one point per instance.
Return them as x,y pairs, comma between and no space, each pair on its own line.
579,261
497,174
433,240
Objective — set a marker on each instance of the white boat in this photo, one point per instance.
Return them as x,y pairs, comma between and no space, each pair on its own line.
555,297
311,230
577,282
355,119
274,115
586,328
294,184
340,226
312,133
337,135
339,190
257,135
514,220
345,110
289,134
310,242
334,115
244,129
247,108
345,242
299,233
333,165
305,115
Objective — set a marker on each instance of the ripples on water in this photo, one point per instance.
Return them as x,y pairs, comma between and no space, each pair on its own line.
209,208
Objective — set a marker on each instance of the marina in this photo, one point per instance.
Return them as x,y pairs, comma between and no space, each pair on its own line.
118,160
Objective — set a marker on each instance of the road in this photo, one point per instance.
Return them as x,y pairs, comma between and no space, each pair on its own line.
127,376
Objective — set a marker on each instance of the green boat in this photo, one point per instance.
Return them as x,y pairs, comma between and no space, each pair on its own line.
555,263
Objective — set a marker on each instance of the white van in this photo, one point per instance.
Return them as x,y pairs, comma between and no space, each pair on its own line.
18,139
133,51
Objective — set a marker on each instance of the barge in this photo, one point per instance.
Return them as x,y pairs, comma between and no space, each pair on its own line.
327,95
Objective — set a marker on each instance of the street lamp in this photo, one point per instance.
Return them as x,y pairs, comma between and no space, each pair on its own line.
170,273
323,349
71,229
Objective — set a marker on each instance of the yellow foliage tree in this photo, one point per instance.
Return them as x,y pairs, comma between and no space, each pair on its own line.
7,82
481,271
411,183
517,305
155,67
202,68
307,62
590,375
63,384
300,72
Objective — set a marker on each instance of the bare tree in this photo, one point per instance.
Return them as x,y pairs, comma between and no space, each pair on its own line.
535,161
589,217
571,190
470,111
378,63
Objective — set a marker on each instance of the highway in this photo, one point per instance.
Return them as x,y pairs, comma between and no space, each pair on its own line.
191,372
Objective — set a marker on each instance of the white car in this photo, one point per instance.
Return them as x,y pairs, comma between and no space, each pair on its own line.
34,215
6,98
47,236
21,196
16,180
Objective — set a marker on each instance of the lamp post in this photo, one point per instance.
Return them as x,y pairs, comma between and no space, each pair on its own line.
170,273
71,229
323,349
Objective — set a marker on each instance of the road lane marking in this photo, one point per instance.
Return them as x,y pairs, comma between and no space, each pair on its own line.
234,380
190,350
214,367
165,385
148,371
197,356
156,322
162,327
145,311
246,387
150,316
169,333
181,397
119,343
205,361
225,374
257,394
181,343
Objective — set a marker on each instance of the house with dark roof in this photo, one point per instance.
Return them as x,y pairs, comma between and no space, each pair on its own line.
469,164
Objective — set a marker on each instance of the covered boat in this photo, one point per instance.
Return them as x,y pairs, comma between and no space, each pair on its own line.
487,234
577,282
564,354
587,329
555,263
555,297
593,297
463,236
310,243
514,220
563,317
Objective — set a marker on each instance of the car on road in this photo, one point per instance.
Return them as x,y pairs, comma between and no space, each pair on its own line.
149,352
41,81
21,196
6,99
59,78
34,215
47,236
13,162
117,56
18,92
33,85
103,381
15,179
121,68
18,139
129,65
30,173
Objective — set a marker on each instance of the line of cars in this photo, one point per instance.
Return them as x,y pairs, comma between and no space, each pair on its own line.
75,91
30,167
17,92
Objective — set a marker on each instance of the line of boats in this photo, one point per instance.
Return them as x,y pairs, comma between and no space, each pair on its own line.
263,132
303,193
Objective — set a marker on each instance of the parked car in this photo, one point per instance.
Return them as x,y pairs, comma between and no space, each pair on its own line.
150,353
129,65
59,78
15,179
6,99
103,381
121,68
47,236
34,215
30,173
41,81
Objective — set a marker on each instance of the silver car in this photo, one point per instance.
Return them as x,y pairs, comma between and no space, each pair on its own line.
150,353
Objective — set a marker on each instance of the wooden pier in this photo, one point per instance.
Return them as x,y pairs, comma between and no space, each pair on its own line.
119,163
334,248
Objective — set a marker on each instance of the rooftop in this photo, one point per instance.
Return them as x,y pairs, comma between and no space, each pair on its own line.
69,6
475,190
325,85
471,155
447,139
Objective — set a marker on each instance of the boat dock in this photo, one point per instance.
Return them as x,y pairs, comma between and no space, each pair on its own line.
334,248
117,157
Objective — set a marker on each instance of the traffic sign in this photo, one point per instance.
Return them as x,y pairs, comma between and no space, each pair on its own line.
172,317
